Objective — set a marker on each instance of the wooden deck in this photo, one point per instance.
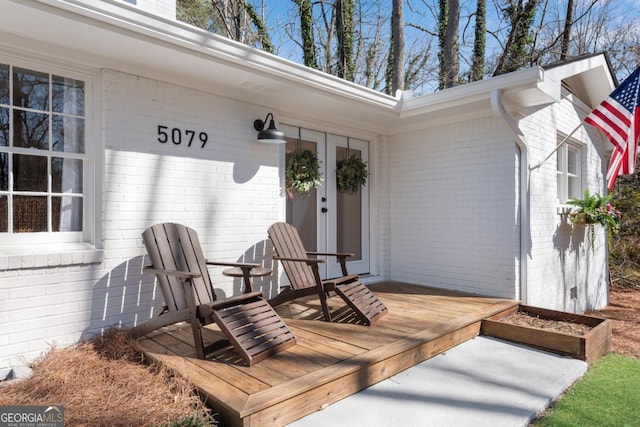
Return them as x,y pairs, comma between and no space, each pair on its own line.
331,360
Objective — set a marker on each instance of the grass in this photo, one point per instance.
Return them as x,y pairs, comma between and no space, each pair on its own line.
607,395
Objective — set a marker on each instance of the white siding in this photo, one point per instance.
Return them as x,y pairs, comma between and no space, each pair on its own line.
453,226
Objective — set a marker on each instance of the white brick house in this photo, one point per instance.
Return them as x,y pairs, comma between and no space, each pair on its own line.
456,196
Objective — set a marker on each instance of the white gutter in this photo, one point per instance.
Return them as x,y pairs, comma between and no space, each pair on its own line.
116,14
498,108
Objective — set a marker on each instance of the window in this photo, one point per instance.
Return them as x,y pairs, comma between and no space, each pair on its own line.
569,167
43,153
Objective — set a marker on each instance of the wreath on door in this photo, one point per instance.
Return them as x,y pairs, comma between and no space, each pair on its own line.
303,171
351,173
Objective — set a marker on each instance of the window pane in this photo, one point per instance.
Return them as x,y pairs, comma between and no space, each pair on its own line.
4,214
572,162
559,187
30,89
4,126
68,134
30,130
67,213
68,96
574,189
66,175
4,171
29,173
29,214
4,84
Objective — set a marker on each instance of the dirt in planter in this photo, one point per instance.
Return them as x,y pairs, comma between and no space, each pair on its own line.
522,318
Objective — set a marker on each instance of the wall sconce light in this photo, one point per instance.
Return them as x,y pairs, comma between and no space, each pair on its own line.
271,135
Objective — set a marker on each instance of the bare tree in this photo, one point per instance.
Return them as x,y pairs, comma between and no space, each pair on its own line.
480,40
519,33
235,19
566,34
306,33
448,31
344,33
517,49
396,48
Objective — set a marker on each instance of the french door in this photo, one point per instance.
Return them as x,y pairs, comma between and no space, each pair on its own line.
330,220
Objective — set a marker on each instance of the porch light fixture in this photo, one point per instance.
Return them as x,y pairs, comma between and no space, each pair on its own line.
271,135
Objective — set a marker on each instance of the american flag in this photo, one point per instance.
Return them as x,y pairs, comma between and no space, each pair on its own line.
618,116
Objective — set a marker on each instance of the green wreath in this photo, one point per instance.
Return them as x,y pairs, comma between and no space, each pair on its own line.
303,171
351,174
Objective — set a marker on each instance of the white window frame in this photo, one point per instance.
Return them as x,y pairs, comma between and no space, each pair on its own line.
569,183
50,247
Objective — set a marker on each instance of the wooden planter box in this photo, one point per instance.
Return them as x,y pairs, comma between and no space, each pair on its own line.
589,347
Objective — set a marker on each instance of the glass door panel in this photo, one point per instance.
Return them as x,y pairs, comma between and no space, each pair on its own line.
307,211
348,221
349,214
329,220
302,209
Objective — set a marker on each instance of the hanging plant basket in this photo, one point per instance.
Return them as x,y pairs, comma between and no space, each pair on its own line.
581,218
351,174
303,171
595,209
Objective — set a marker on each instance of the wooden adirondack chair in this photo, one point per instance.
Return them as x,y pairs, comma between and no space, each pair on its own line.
304,276
249,323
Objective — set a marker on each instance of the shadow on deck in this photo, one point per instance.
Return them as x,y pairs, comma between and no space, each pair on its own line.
331,360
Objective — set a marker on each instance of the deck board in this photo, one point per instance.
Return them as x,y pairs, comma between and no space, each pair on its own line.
331,360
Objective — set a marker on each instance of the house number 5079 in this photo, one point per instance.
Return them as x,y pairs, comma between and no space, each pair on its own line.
178,136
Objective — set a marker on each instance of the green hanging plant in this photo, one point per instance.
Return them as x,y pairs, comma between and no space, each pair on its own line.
303,171
351,174
595,209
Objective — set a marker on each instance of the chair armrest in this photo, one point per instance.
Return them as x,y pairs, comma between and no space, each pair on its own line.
342,259
233,264
176,273
307,260
335,254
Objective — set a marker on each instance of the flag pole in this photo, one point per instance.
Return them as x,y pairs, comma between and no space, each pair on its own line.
558,146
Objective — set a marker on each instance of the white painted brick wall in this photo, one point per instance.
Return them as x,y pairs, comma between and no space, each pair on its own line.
229,192
561,257
457,226
453,225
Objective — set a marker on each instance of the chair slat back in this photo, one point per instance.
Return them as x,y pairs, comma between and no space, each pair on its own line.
177,247
287,243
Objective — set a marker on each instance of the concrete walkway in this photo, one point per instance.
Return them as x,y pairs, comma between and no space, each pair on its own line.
482,382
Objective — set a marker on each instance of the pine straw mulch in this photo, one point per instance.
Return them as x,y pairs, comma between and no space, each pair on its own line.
107,382
624,312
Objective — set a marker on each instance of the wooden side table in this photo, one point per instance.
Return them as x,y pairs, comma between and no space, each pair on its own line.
248,278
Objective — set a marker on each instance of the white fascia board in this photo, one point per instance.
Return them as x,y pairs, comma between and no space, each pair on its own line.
459,96
174,34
